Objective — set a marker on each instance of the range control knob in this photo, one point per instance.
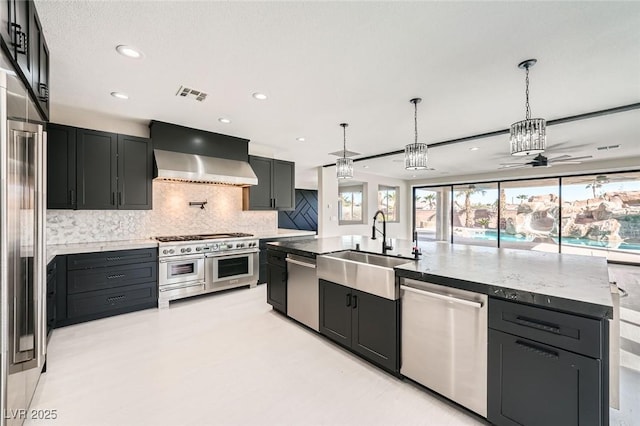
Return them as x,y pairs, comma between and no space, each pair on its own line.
198,248
188,249
172,251
214,246
165,251
240,245
229,246
182,250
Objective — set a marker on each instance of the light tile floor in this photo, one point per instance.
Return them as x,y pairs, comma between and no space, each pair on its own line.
227,359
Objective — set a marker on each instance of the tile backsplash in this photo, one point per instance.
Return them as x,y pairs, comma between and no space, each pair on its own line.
171,215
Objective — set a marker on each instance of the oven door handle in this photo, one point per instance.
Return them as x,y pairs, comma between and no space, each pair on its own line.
181,258
233,253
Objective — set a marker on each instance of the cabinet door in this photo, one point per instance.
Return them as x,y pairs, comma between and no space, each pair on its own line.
260,195
97,169
277,287
135,172
6,10
284,194
21,33
40,62
61,167
335,312
375,329
535,384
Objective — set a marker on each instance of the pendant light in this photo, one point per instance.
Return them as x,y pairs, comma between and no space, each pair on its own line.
528,136
344,165
415,154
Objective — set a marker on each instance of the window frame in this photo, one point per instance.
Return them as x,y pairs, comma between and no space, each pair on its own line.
396,190
349,188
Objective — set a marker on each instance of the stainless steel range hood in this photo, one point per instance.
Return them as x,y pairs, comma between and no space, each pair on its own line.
177,166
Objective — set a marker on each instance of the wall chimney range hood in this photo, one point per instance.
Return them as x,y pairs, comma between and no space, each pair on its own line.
184,167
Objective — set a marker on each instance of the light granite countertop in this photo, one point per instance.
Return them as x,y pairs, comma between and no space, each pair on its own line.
281,232
60,249
572,283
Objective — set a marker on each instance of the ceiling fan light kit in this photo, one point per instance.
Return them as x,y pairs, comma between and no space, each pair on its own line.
344,165
415,154
528,136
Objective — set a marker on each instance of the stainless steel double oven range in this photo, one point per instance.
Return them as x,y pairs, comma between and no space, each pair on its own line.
198,264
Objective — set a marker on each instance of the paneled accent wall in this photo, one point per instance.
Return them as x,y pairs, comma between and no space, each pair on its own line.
305,216
171,215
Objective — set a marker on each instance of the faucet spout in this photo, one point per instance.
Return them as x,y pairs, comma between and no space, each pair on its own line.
385,247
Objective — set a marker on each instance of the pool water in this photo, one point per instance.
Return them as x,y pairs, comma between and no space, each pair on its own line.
493,236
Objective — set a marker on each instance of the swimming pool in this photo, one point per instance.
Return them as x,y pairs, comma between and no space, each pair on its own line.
492,235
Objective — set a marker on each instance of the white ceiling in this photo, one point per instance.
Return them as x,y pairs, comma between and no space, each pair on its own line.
323,63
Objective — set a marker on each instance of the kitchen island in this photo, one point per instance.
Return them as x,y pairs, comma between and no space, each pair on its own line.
539,322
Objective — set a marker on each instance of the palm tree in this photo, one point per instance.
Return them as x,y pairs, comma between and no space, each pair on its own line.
503,206
430,198
522,197
471,189
595,185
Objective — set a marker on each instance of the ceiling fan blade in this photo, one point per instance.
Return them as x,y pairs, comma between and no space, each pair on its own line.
515,166
512,164
584,157
567,162
559,158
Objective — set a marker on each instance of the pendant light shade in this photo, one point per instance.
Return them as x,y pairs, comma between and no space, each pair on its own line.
528,136
415,154
344,165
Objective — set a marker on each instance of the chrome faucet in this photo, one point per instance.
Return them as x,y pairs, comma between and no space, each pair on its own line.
385,247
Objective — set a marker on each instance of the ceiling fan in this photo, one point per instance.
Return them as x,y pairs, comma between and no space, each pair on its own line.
542,161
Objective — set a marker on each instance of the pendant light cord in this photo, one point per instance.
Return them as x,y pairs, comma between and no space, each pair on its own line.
527,107
415,123
344,141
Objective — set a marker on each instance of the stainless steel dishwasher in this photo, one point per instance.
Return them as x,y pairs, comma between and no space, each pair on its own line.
303,294
444,341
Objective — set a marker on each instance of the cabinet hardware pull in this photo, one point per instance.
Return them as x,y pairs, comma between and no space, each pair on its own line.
297,262
113,198
43,90
537,350
116,298
21,42
72,193
275,203
349,299
111,277
355,302
528,322
119,198
114,258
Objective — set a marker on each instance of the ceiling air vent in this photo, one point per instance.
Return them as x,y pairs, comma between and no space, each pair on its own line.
186,92
606,148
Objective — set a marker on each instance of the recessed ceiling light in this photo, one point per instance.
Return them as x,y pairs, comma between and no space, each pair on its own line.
413,175
475,148
224,120
119,95
300,139
259,96
365,167
129,52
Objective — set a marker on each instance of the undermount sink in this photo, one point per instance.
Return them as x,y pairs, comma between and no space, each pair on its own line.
371,273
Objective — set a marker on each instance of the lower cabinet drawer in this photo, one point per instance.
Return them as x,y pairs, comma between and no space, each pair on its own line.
571,332
111,301
83,280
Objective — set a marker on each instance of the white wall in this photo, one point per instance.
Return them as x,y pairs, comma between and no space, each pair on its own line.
328,205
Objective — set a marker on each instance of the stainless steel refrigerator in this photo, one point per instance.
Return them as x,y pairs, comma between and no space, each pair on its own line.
22,248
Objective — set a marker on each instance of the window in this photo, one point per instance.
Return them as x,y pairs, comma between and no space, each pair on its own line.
388,202
475,214
351,201
432,213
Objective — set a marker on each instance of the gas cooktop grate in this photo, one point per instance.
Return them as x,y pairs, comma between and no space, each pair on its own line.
177,238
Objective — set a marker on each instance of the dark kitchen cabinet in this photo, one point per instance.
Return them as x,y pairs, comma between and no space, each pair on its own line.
97,167
51,296
362,322
546,367
39,62
94,170
135,168
262,278
276,185
102,284
61,167
23,40
277,280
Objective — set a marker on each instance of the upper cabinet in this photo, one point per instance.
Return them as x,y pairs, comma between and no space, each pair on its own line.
23,38
94,170
276,185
